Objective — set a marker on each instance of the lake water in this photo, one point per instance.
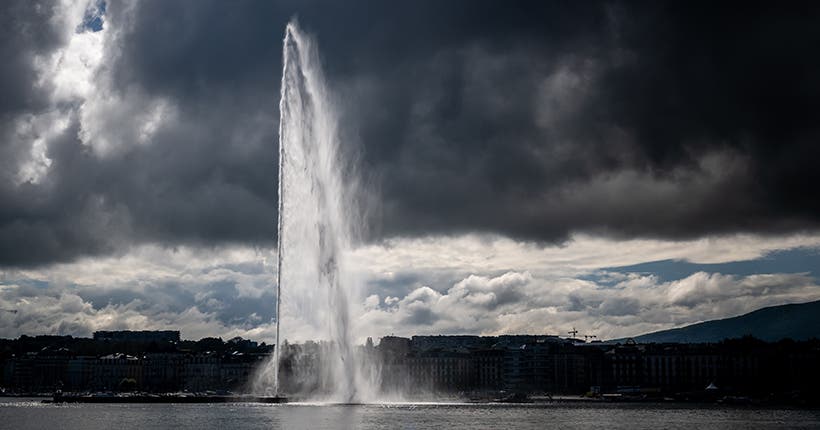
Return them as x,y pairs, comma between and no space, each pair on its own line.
33,414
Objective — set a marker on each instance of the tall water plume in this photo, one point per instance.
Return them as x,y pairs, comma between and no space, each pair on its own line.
317,216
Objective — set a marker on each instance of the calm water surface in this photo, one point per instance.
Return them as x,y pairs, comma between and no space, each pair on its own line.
32,414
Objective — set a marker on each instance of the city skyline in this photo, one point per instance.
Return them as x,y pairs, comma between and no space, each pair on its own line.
609,167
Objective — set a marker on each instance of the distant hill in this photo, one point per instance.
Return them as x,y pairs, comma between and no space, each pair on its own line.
797,321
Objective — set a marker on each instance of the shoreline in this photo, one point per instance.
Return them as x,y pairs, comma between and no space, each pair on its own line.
732,402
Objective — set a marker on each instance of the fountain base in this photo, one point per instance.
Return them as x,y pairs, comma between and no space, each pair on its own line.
274,399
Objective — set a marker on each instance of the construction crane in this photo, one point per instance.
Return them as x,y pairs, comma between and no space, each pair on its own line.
573,332
13,311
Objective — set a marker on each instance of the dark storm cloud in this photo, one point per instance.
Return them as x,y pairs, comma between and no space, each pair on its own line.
27,32
531,119
655,120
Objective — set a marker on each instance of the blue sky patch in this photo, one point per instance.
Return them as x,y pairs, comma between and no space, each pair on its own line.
798,260
93,18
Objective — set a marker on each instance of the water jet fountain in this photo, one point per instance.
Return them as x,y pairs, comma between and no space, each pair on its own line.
315,228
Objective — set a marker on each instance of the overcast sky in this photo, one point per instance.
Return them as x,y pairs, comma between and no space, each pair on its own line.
617,167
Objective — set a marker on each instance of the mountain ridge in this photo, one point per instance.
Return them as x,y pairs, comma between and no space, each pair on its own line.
797,321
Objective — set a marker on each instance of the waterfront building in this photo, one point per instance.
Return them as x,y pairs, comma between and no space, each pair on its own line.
163,371
111,370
